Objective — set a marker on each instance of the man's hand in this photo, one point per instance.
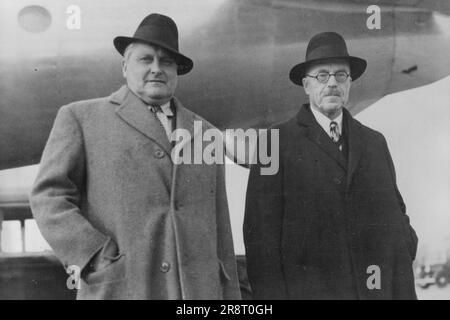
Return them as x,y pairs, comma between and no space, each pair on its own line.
239,149
105,256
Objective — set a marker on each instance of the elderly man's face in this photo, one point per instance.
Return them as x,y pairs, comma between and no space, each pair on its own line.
151,73
329,97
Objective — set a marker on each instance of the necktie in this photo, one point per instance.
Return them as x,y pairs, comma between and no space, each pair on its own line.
155,108
334,132
335,135
166,121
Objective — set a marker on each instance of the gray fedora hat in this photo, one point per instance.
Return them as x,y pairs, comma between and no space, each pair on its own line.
325,46
157,29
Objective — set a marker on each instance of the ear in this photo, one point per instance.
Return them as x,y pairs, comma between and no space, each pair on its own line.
124,68
305,85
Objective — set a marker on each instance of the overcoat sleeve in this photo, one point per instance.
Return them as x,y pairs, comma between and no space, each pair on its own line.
410,234
56,194
262,233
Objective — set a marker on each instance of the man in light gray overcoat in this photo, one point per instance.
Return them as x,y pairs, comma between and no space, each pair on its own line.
110,200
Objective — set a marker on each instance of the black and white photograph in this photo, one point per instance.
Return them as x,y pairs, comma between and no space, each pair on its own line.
225,150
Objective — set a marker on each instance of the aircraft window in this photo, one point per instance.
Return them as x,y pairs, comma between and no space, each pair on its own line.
34,19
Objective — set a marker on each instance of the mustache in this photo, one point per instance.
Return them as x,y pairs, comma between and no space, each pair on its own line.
156,80
332,93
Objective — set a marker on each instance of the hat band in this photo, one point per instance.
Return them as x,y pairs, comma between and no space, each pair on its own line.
327,51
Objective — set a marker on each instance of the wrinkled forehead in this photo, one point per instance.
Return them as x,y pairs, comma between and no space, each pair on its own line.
330,65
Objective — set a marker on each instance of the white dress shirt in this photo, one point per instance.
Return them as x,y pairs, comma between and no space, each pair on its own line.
165,116
324,121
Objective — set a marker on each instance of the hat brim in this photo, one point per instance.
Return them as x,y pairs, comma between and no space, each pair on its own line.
184,63
357,68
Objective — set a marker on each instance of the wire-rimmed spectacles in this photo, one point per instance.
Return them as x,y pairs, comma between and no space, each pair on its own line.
323,77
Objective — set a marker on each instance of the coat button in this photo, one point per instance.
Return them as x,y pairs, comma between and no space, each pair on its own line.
337,180
165,266
159,153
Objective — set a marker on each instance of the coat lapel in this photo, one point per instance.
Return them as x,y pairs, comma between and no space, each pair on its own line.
317,135
185,120
355,145
135,113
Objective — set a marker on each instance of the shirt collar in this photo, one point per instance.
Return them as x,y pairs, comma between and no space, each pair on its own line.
166,109
324,121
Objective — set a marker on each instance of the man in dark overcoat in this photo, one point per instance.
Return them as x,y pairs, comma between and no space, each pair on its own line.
331,223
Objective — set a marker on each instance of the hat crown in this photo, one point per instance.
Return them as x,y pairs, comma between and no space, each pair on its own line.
157,30
159,21
160,28
326,45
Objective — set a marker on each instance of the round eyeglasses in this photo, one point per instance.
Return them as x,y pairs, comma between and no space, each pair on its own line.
323,77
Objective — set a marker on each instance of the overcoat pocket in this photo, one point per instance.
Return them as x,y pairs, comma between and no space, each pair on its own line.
113,272
223,272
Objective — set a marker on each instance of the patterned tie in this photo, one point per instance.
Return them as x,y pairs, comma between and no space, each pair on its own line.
155,108
167,121
334,132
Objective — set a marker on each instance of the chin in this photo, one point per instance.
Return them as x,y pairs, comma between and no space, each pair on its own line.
157,95
331,107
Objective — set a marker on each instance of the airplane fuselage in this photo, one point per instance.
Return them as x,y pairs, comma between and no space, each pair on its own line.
56,52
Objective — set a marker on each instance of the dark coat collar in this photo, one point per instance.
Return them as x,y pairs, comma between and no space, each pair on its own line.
316,134
355,136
